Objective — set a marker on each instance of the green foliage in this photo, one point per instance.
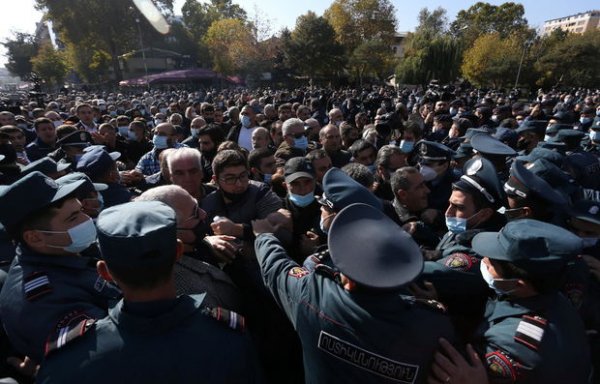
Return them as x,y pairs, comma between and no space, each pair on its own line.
430,53
570,59
311,49
484,18
110,24
20,49
50,65
373,58
231,45
356,21
493,60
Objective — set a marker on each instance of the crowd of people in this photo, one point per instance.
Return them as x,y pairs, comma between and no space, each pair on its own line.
447,235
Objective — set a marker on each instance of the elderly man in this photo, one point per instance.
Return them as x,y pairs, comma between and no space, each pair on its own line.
294,137
331,141
185,170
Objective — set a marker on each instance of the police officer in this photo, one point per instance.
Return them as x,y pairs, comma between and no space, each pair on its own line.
354,326
437,156
531,333
495,151
531,132
49,281
151,336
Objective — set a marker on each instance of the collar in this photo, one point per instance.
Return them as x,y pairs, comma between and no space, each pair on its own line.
28,256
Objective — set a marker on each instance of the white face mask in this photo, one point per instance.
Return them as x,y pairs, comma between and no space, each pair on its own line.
82,236
491,282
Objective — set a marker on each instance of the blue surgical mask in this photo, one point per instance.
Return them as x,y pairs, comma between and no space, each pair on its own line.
407,146
595,136
82,236
123,130
302,200
160,142
101,201
246,121
491,282
131,135
322,226
267,177
163,110
585,120
372,168
195,131
113,113
301,143
453,111
456,224
547,138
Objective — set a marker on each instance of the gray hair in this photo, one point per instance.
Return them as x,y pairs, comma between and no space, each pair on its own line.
290,123
184,153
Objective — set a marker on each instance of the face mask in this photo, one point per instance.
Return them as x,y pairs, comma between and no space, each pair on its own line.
24,126
453,111
143,111
585,120
456,224
589,242
547,138
338,123
428,173
495,118
491,282
522,144
195,131
123,130
407,146
302,200
113,113
267,177
101,201
372,168
301,143
163,110
246,121
158,121
208,120
82,236
512,214
595,136
131,135
160,142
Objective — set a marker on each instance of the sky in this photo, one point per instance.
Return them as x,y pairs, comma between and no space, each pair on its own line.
21,15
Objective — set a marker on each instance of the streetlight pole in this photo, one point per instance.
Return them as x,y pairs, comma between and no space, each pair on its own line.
525,46
137,20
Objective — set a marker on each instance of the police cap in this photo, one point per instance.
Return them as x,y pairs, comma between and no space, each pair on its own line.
433,151
372,250
534,246
480,177
137,233
525,184
536,126
96,162
87,185
45,165
543,153
340,190
489,145
77,138
30,194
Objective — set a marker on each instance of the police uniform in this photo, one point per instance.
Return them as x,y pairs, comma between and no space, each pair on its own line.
42,291
174,340
495,151
369,335
540,338
441,186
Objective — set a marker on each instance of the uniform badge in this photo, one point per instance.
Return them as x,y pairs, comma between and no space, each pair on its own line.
423,149
82,136
530,331
574,293
72,326
501,366
459,261
298,272
593,210
36,285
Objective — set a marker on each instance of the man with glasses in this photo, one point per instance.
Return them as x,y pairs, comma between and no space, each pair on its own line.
294,137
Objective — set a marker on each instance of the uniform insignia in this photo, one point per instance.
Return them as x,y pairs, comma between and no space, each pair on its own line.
433,304
82,136
298,272
70,327
593,210
423,149
327,271
501,366
99,284
575,294
460,261
35,285
530,331
474,167
231,318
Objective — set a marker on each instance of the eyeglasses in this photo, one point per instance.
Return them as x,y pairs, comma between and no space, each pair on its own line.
231,180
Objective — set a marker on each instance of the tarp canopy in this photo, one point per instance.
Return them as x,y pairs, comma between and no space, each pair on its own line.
179,76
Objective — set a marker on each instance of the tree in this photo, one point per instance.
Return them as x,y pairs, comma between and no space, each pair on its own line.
493,60
231,45
50,65
484,18
571,59
372,58
20,49
111,24
90,61
430,53
312,49
356,21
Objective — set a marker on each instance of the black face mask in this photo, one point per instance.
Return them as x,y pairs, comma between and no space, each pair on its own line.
523,144
209,120
234,197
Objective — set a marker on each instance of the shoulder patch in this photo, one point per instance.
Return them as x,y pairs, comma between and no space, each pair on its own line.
327,271
500,366
433,304
298,272
574,293
36,285
530,331
232,319
72,326
460,261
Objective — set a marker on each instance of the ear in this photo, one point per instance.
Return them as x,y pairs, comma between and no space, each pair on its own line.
527,212
214,179
179,250
348,284
401,194
33,239
103,271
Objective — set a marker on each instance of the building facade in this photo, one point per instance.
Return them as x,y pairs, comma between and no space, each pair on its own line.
578,23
